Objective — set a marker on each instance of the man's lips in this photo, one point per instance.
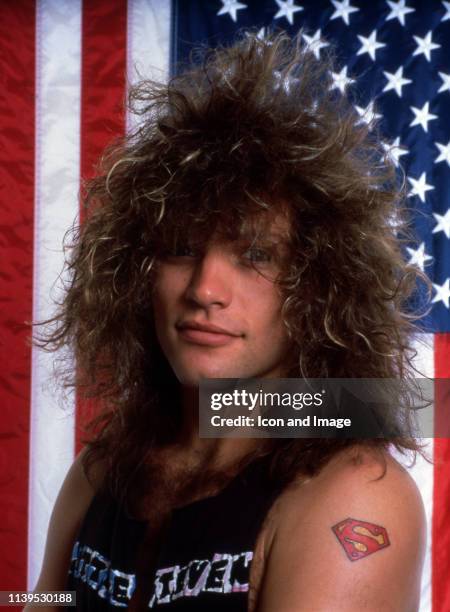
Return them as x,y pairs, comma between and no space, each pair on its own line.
206,334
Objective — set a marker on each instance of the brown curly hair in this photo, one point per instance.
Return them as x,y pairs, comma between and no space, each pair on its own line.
244,130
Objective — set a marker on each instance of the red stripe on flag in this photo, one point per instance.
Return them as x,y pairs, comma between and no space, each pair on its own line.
104,63
441,495
17,126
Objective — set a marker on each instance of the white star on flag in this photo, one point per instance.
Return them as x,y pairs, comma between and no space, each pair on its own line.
231,7
447,8
445,82
395,150
315,43
394,222
341,80
418,256
396,81
442,293
285,81
261,33
425,45
422,116
419,186
443,223
444,152
368,114
398,11
343,9
287,9
370,45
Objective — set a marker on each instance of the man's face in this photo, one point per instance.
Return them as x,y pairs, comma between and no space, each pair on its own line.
216,315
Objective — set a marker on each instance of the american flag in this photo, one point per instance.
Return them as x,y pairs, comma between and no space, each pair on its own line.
65,65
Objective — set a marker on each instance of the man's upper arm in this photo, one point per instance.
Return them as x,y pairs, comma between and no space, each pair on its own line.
348,542
70,507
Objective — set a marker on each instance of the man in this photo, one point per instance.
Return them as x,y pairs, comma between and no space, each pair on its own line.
243,231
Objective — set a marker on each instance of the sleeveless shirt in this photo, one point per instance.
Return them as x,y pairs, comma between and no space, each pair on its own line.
202,564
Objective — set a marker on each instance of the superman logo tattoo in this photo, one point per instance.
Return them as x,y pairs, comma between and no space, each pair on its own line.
360,538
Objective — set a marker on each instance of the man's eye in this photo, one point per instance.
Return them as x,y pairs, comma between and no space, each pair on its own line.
181,250
184,251
258,255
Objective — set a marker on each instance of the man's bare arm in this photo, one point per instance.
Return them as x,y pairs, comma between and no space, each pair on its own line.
70,507
347,541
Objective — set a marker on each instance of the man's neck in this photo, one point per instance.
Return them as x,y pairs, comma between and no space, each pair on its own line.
220,452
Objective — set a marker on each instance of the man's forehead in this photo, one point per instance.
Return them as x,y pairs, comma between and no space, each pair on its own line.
270,224
230,224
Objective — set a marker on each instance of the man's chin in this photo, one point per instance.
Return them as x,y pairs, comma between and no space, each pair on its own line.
193,379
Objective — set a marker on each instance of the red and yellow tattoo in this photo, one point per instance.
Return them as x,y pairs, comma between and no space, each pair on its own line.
360,538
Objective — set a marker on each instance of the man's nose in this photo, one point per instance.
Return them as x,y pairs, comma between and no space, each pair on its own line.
211,280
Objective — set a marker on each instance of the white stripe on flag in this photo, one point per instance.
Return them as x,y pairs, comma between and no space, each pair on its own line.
422,471
58,61
148,43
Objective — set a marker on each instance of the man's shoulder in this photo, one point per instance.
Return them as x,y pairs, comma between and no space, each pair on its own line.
360,475
359,484
360,517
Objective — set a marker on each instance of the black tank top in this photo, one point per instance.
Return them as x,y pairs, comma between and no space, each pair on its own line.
202,564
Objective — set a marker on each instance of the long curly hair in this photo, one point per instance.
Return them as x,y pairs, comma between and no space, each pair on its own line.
243,131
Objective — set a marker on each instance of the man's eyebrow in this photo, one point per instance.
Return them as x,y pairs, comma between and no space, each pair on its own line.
272,235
